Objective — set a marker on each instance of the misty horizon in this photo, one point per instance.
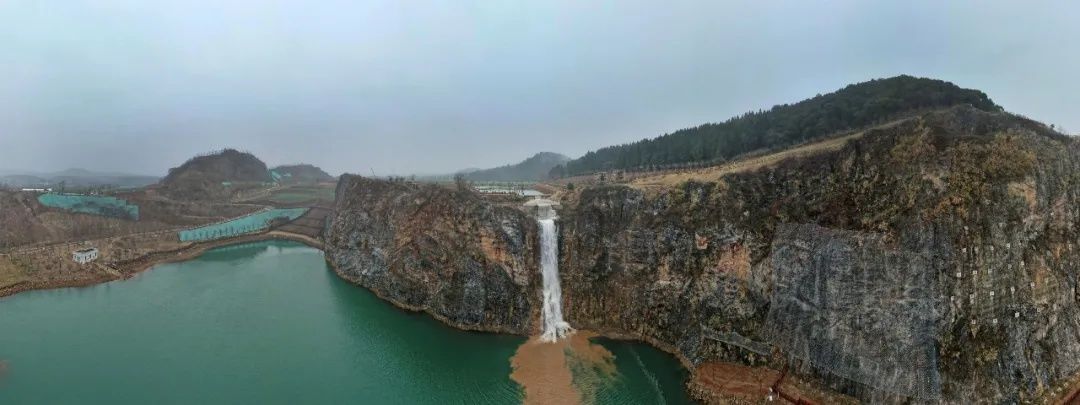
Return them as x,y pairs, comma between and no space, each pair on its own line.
128,87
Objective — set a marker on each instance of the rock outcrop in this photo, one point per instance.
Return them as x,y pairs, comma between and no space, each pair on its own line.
931,259
442,251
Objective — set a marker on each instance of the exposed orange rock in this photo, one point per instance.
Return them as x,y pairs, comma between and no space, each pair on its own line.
1025,190
728,383
735,260
733,382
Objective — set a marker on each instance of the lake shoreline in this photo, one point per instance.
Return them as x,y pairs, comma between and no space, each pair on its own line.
692,391
135,267
131,268
410,308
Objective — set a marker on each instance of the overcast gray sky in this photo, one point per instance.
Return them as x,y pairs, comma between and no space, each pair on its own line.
417,86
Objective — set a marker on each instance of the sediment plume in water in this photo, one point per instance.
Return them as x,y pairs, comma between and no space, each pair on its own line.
554,326
546,370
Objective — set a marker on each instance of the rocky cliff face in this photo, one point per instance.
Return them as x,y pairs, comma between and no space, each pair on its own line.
442,251
929,260
932,259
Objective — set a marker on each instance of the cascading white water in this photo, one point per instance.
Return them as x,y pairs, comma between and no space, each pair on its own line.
554,325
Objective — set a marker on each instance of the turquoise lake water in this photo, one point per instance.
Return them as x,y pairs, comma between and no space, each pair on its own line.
267,323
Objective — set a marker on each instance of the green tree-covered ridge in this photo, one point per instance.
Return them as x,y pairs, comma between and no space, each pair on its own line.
534,168
855,106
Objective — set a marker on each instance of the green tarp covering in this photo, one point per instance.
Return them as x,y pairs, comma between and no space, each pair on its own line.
91,204
247,224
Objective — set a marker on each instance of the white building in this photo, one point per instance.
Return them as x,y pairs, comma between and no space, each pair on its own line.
84,256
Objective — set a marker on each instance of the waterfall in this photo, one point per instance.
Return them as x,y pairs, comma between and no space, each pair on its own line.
554,325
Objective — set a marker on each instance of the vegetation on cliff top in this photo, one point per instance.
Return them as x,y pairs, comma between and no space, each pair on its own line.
854,106
533,168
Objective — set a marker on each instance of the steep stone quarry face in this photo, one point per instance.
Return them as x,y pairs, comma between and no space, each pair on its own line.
928,260
432,249
933,259
839,295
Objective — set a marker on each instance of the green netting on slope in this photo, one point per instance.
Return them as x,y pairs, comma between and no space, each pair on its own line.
247,224
91,204
276,176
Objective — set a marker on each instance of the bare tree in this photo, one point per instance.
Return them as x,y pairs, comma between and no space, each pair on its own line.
459,180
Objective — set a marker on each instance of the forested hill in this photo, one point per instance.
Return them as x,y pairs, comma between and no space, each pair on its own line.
224,165
533,168
300,173
207,176
854,106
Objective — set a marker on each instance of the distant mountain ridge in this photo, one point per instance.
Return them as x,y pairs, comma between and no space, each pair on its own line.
854,106
75,178
534,168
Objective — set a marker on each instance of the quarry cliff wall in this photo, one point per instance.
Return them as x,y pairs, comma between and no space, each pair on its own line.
438,250
933,259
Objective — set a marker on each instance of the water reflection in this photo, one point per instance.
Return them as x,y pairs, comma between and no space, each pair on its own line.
428,356
237,253
264,322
